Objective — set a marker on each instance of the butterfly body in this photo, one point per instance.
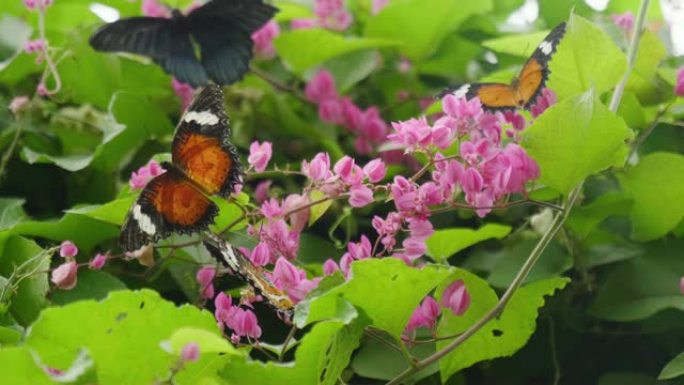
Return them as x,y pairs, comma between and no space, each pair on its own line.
524,88
220,29
204,163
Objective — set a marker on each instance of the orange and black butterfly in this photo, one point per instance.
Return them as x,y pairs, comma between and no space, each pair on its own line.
204,163
524,89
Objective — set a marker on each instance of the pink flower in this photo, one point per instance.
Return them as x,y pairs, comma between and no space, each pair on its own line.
345,263
378,5
184,91
303,287
303,23
456,298
411,133
224,308
375,170
624,21
64,276
154,9
261,191
33,46
281,241
297,205
30,4
67,249
286,275
205,277
472,181
360,196
425,315
515,119
679,87
360,250
414,248
343,167
244,324
461,108
271,209
42,90
259,155
319,168
321,87
681,285
544,101
263,39
98,261
404,64
330,111
420,228
18,103
140,178
190,352
330,267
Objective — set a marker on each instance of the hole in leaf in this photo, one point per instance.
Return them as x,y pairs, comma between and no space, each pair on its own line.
394,277
120,317
142,304
497,333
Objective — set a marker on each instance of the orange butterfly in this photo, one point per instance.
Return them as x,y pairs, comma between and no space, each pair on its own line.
204,163
524,89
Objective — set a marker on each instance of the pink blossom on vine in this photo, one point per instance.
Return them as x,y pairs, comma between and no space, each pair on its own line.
259,155
456,298
624,21
286,275
140,178
375,170
280,239
261,191
544,101
261,255
330,111
297,205
387,228
404,65
321,87
68,250
345,263
154,9
425,315
37,4
679,87
361,249
319,167
205,277
65,275
42,90
190,352
330,266
332,15
360,196
18,103
98,262
271,209
184,91
244,324
263,40
224,309
414,248
33,46
515,119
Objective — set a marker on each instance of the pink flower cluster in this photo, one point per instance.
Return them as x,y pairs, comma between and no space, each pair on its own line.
332,108
263,40
679,87
260,155
37,4
65,276
330,14
455,298
292,280
625,21
205,278
241,321
184,91
144,174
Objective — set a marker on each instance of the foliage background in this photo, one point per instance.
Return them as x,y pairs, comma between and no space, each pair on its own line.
67,159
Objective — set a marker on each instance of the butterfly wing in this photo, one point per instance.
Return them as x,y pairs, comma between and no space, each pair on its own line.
202,148
166,41
169,203
252,275
493,96
535,72
223,30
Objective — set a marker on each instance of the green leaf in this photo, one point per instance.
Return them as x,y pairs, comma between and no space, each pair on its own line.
584,219
113,212
208,342
9,336
351,68
451,59
320,359
375,360
91,284
445,243
290,10
318,210
19,367
586,59
303,49
656,186
500,337
421,25
29,299
85,232
574,139
11,212
642,80
13,34
68,162
386,290
642,286
121,333
673,369
518,45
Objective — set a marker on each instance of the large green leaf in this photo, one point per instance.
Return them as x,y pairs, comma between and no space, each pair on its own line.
19,367
13,34
519,45
421,25
11,212
385,289
574,139
586,59
305,48
642,286
656,186
501,336
447,242
323,354
642,80
585,218
85,232
673,369
122,334
91,284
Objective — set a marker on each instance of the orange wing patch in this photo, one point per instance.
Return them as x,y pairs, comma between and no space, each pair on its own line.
179,202
203,159
530,81
497,95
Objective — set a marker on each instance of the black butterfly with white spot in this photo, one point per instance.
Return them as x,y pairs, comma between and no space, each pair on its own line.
221,29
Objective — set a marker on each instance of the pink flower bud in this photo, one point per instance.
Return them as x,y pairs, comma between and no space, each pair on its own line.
456,298
259,155
30,4
67,249
261,255
204,277
319,168
343,167
679,87
472,181
321,87
330,267
286,275
190,352
261,191
375,170
360,196
184,91
64,276
297,205
624,21
98,261
245,324
42,90
271,209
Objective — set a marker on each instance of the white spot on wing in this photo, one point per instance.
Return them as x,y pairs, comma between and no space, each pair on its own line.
462,91
546,47
202,117
144,222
